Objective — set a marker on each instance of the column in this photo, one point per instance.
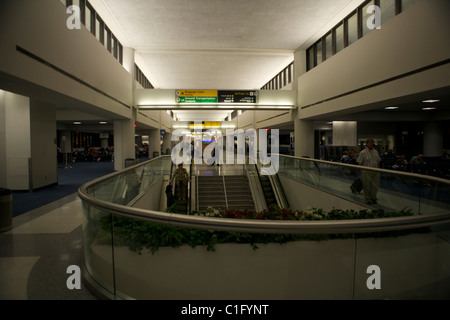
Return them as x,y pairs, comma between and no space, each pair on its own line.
104,143
167,143
44,163
433,139
28,154
303,129
154,142
124,130
66,148
304,137
123,142
345,133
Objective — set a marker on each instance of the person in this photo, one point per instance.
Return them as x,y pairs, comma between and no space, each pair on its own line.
352,157
417,160
136,151
445,155
401,163
345,157
369,157
169,195
403,160
417,163
181,177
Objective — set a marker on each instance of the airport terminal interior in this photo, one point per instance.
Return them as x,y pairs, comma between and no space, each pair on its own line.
265,103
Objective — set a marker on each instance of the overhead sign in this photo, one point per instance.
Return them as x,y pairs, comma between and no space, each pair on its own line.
205,124
237,96
215,96
196,96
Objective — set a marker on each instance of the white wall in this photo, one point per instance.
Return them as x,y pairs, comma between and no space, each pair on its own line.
40,28
412,40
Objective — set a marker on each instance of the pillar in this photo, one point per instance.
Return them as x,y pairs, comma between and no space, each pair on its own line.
123,142
66,148
167,143
433,139
104,143
28,154
345,133
304,138
124,130
154,142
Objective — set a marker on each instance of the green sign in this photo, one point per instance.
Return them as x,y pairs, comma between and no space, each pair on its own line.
196,99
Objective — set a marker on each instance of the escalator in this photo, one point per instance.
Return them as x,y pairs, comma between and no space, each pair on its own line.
269,194
272,190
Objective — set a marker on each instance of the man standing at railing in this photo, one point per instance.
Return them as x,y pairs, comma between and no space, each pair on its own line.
370,157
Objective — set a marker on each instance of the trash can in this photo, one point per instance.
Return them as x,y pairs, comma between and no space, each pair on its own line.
129,162
155,154
5,210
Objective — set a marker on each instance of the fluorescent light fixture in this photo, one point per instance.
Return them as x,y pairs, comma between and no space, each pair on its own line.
103,122
199,106
428,108
391,108
76,122
430,101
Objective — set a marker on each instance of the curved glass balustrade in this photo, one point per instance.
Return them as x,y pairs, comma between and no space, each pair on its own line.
143,254
397,190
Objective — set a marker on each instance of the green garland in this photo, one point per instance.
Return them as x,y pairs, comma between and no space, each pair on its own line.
139,235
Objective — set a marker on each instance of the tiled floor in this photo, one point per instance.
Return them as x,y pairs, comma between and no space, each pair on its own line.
35,254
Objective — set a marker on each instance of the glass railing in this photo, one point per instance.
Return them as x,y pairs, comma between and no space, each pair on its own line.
131,253
396,190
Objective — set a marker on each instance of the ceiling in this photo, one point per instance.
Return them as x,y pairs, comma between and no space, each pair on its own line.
218,44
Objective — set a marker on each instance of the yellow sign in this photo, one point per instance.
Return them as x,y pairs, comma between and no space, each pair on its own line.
206,124
215,124
196,126
197,93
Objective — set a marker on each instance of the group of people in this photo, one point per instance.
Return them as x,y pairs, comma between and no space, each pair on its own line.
89,155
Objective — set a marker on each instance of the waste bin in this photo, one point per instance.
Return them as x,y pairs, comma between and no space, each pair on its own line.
155,154
5,210
129,162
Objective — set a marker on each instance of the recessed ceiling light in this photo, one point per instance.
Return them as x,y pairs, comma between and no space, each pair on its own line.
76,122
392,108
428,108
103,122
430,101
